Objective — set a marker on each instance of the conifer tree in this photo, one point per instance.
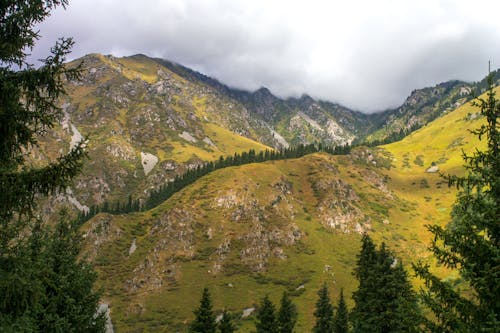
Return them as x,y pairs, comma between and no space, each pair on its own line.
384,301
43,285
226,324
204,321
266,317
323,312
364,296
287,315
341,318
470,242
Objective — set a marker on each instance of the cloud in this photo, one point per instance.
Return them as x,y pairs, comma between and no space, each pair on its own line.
367,55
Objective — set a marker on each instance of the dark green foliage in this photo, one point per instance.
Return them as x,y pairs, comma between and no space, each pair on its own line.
266,317
204,321
287,315
341,318
384,301
226,324
43,285
191,175
323,312
470,242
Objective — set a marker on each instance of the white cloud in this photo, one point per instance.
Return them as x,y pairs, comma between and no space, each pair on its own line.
365,54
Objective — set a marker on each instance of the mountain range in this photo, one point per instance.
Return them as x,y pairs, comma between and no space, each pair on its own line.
259,228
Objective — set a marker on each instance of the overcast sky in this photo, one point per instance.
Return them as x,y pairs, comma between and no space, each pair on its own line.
368,55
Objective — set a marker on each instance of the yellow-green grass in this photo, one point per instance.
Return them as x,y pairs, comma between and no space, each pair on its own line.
305,265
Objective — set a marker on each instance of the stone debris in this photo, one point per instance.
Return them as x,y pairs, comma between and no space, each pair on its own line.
247,312
148,162
281,140
188,137
133,247
311,122
75,202
432,169
209,142
104,308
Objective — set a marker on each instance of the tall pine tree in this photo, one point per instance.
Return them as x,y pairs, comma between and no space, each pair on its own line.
323,312
43,285
341,318
384,301
266,317
287,315
204,321
470,242
366,293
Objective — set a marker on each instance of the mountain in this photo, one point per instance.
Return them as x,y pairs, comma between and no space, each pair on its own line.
425,105
252,229
263,228
149,120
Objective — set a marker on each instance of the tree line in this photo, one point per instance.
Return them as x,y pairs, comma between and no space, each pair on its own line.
165,191
384,302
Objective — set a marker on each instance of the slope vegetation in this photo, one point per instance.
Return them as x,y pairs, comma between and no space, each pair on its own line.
281,225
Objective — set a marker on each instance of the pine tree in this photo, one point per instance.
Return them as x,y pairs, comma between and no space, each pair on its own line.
384,301
323,312
67,309
470,242
365,294
287,315
226,324
204,321
266,317
39,268
341,318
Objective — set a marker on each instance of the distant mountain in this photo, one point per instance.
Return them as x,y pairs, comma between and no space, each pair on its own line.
149,120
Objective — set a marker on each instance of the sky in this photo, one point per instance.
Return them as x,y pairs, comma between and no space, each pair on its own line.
365,54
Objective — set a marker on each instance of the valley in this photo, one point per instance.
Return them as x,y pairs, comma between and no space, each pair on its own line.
263,228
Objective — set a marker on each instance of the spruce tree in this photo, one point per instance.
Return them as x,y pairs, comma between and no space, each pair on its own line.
470,242
44,287
323,312
226,324
287,315
204,321
366,293
384,301
266,317
341,318
71,281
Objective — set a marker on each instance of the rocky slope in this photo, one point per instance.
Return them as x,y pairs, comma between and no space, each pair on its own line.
149,120
281,225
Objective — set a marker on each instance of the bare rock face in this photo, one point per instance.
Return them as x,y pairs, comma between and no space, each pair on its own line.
104,308
148,162
338,206
432,169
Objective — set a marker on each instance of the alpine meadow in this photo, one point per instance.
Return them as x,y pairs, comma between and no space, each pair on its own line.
141,195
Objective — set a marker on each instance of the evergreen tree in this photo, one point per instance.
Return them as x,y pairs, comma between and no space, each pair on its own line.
470,242
226,324
71,281
341,318
323,312
287,315
204,321
266,317
43,285
365,294
384,301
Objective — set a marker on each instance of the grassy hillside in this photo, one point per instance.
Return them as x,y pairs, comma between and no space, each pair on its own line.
145,124
283,225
